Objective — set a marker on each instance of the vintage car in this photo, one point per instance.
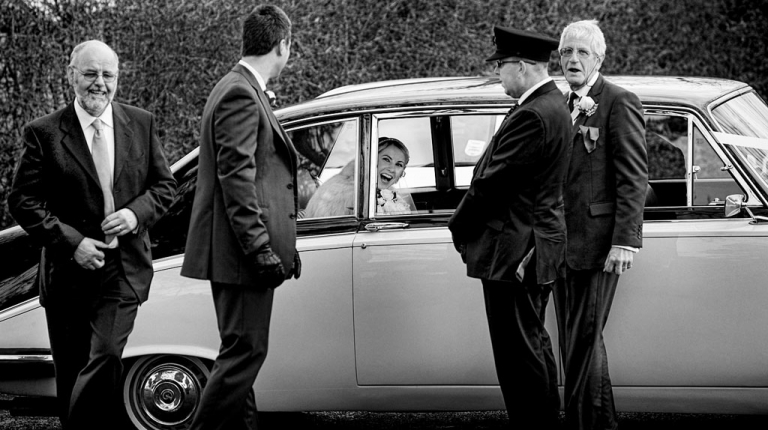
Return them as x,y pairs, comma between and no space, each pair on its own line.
384,317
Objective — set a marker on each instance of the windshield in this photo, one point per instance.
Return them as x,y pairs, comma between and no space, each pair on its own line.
743,122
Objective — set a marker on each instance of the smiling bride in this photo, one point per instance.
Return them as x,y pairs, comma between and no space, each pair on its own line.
393,158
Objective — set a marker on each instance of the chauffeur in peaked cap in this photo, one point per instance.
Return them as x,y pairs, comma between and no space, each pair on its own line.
511,42
510,230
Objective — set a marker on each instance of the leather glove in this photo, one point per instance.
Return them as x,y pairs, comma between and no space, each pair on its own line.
268,267
296,270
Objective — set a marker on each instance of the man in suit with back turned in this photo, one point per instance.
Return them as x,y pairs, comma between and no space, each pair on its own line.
510,231
91,181
242,235
604,196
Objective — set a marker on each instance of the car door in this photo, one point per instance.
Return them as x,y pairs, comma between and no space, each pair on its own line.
691,312
419,320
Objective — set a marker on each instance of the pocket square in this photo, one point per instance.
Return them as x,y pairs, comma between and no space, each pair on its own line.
590,134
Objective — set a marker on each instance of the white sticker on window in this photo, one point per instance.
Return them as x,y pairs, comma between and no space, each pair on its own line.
474,147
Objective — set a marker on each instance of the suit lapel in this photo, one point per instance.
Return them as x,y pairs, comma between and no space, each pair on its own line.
74,140
123,139
594,93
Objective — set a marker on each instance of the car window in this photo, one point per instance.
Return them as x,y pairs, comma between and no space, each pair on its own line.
667,141
712,180
327,168
404,167
470,135
684,170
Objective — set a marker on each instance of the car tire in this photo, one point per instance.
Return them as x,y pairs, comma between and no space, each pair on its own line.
162,392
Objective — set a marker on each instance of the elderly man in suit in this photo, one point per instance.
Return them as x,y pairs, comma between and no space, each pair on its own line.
510,231
604,195
91,181
242,235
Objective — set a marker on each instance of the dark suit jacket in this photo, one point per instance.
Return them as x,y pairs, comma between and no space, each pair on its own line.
246,185
515,199
605,188
57,197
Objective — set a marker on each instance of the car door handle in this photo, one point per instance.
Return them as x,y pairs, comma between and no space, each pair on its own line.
377,226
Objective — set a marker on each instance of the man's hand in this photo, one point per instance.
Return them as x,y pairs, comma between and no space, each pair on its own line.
268,267
296,270
619,260
120,223
88,254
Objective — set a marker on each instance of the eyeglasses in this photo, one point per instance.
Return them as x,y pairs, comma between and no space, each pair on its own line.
568,52
500,63
92,76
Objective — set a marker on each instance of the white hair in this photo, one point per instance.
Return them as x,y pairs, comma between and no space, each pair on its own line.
586,29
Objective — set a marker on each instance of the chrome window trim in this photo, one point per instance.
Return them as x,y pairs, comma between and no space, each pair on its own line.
694,119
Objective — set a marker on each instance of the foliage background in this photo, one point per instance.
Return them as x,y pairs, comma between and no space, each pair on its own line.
172,52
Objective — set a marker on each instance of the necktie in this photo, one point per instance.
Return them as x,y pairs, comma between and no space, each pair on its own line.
571,99
103,168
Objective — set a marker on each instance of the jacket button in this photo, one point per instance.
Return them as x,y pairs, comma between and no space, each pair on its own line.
290,186
292,216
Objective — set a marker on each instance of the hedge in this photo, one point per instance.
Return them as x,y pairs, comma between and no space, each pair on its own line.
173,52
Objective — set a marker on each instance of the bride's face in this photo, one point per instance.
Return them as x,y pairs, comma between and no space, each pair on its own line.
391,166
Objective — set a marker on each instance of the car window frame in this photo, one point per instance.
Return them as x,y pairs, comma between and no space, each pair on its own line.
442,152
695,119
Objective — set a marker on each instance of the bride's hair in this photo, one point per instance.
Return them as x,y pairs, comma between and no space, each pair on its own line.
386,142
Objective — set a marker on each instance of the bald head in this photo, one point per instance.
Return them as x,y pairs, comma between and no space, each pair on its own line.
90,45
92,72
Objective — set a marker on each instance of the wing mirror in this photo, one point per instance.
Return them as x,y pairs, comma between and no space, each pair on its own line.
735,203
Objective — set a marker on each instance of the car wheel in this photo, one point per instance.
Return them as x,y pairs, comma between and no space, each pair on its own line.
162,392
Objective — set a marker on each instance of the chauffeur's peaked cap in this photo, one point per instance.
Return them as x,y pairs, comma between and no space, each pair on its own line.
511,42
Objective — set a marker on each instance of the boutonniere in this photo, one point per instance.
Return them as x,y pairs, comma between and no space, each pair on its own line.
590,135
387,202
587,106
272,98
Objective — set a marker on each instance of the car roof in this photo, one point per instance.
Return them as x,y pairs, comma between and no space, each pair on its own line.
696,92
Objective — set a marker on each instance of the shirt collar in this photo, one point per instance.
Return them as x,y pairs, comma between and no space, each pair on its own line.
86,119
255,74
581,92
532,89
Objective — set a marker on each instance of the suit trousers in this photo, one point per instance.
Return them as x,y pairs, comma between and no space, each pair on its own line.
582,310
88,327
243,314
522,351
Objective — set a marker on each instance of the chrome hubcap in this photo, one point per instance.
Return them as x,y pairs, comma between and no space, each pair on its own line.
169,394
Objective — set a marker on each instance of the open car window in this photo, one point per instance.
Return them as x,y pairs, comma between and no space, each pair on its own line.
685,170
443,151
327,173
